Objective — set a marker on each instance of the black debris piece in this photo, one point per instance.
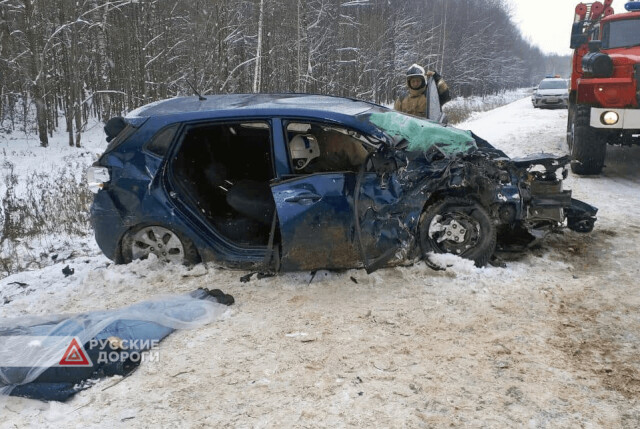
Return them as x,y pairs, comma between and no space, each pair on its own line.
259,276
497,262
313,276
68,271
434,266
264,275
221,297
20,284
247,278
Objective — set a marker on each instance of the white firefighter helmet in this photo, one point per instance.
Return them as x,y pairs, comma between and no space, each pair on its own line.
303,148
416,71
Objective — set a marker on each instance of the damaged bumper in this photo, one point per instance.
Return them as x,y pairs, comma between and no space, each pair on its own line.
546,200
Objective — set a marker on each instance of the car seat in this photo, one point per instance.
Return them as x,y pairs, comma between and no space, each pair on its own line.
252,199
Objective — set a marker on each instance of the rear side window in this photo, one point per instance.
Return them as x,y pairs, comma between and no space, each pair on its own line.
159,144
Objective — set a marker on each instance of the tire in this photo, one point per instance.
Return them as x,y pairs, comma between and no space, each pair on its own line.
441,223
166,244
588,146
570,114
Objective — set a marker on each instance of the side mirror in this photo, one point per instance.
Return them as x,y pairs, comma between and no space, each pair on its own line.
383,163
595,45
578,38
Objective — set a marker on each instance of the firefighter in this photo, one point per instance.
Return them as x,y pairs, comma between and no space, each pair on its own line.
415,102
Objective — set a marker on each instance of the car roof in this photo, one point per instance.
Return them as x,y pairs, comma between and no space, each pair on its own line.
303,103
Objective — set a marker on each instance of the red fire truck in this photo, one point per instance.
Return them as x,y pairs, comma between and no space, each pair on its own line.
605,91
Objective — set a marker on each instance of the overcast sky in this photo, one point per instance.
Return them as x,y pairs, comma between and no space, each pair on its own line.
547,23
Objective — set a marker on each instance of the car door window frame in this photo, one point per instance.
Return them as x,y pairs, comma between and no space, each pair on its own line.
169,176
285,122
185,126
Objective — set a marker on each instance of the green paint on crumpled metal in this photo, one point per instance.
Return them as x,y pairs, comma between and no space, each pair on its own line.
422,134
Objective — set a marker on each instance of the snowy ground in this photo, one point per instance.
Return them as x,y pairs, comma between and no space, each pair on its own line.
550,341
38,178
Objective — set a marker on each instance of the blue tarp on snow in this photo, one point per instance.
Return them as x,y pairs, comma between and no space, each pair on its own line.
121,335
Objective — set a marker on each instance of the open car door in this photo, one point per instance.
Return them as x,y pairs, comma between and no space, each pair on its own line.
434,109
316,219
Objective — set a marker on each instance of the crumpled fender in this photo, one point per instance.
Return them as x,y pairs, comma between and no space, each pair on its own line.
388,207
581,217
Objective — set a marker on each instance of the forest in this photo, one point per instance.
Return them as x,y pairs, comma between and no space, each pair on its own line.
65,61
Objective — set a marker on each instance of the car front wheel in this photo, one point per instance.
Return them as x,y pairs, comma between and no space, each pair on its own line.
166,244
459,226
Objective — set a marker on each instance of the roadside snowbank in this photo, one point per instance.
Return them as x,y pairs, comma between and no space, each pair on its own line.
465,108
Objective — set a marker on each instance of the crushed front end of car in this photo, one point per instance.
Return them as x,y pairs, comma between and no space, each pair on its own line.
523,194
529,198
547,205
443,190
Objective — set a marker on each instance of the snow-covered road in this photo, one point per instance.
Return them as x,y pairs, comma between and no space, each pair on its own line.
550,341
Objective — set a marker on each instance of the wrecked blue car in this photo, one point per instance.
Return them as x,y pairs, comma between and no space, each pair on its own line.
305,182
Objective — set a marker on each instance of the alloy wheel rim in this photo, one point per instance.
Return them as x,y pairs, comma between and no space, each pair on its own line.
160,241
454,232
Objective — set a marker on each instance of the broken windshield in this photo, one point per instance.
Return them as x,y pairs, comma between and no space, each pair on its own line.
621,34
422,134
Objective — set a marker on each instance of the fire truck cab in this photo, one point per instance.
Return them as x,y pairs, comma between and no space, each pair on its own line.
604,93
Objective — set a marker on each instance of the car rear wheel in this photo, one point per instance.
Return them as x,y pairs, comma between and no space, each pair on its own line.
459,226
588,146
166,244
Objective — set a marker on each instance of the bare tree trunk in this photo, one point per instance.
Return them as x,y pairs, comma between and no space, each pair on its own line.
257,73
76,82
37,79
102,78
69,122
299,48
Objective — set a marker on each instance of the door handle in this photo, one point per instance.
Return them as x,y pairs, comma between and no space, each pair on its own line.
303,198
